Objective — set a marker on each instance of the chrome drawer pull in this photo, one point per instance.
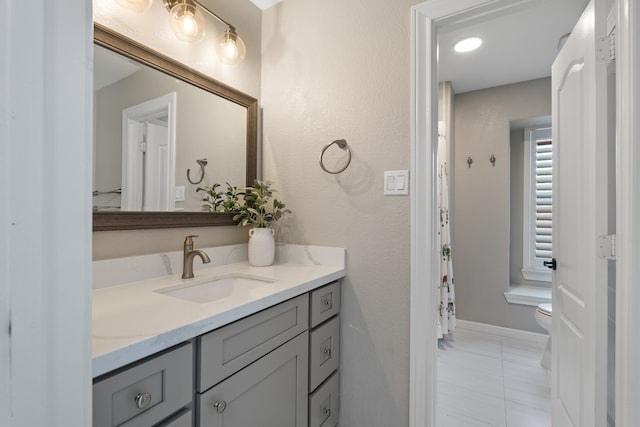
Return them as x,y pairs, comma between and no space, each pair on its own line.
326,411
220,406
326,350
142,400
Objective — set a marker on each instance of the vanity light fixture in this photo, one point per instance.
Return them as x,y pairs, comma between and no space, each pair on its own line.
188,24
468,44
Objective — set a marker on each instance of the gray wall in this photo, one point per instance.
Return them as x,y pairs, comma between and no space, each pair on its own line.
336,69
481,238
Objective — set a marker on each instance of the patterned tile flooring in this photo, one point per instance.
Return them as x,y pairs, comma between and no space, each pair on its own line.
491,380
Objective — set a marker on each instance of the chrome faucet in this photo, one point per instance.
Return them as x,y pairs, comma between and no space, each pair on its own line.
188,255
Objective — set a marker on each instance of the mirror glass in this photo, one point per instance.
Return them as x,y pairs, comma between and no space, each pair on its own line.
161,131
150,129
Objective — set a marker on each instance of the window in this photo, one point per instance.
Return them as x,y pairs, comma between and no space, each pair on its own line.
537,225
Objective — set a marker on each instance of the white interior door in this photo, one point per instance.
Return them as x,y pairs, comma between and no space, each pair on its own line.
580,186
148,155
157,193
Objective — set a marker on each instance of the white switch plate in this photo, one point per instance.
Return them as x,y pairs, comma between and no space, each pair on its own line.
180,193
396,183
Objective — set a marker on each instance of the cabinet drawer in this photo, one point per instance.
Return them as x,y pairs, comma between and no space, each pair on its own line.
325,302
270,392
230,348
147,393
324,352
324,403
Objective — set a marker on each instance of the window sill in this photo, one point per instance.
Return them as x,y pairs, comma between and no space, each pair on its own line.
536,274
528,295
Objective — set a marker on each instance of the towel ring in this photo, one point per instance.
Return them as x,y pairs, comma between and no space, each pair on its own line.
342,144
202,163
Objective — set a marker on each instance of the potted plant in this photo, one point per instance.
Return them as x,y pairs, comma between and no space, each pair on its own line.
261,210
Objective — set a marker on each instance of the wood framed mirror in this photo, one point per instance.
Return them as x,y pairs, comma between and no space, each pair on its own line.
145,219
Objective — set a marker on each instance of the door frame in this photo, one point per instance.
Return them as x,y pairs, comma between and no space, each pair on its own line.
426,19
132,180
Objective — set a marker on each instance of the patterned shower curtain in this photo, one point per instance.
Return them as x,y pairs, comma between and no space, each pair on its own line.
446,291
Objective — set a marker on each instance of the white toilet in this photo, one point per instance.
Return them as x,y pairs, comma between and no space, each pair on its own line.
543,317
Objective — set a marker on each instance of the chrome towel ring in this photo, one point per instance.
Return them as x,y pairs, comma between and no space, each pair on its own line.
342,144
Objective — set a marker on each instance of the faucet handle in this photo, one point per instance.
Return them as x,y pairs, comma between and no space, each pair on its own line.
189,238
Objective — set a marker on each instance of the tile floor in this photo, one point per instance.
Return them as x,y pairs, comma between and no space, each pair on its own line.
491,380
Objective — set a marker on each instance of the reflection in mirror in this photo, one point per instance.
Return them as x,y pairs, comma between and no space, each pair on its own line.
150,128
160,127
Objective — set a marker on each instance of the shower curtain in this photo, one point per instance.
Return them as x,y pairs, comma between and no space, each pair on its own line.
446,292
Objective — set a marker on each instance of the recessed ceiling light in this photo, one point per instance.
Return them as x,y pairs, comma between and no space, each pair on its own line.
468,44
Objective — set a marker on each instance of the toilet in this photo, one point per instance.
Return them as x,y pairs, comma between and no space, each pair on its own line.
543,317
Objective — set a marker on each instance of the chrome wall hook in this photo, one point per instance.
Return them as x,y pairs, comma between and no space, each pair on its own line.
469,161
342,144
492,159
202,163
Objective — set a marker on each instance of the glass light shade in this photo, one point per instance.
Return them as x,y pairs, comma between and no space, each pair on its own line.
187,22
135,5
231,48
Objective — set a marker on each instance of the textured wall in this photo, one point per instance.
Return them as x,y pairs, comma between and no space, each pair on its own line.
481,194
336,69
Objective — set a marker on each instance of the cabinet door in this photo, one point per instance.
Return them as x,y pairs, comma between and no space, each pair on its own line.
271,392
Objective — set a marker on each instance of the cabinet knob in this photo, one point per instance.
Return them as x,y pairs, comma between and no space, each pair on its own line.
326,350
220,406
326,411
142,400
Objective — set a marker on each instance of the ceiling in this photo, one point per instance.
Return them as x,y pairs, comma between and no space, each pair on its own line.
519,44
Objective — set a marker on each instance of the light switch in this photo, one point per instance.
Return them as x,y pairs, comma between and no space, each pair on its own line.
396,183
180,193
391,183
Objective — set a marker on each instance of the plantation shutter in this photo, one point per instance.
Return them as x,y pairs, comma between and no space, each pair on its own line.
543,206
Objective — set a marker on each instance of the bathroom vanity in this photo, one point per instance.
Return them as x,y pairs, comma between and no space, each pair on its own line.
240,354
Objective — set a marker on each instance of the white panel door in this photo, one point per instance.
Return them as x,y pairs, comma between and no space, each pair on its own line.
158,194
580,182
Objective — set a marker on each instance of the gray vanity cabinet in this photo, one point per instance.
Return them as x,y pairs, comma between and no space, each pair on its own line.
254,372
275,368
272,392
148,393
324,356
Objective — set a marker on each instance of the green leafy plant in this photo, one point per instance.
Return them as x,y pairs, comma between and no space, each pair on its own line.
213,198
218,201
258,209
232,199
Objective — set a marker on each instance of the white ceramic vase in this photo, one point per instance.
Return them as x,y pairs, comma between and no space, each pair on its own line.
262,246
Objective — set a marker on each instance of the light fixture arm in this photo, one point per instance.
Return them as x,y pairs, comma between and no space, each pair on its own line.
170,3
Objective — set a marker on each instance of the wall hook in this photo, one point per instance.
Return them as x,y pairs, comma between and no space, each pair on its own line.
469,161
492,159
202,163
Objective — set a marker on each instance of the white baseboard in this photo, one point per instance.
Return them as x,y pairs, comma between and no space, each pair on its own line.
501,331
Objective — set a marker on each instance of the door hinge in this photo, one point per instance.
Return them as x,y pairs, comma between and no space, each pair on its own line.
607,48
142,146
607,247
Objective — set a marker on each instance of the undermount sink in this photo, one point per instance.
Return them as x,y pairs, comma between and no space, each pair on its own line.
216,288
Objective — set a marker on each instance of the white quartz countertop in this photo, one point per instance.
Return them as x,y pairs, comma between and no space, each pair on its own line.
133,320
